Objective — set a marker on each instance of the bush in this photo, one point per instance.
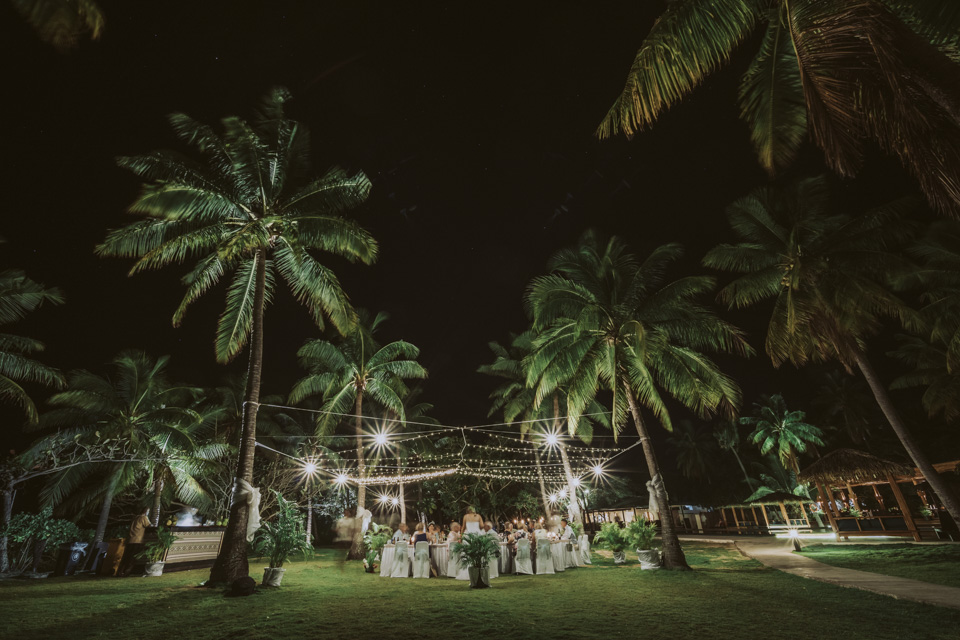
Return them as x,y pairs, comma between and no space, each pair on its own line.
155,551
30,534
283,536
612,537
476,550
641,533
373,541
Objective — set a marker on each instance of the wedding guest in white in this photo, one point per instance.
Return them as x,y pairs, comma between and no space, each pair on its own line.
566,531
488,529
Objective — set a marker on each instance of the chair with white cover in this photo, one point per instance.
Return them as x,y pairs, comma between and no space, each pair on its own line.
386,561
506,560
421,560
544,557
493,565
453,566
559,556
401,561
585,549
523,562
571,553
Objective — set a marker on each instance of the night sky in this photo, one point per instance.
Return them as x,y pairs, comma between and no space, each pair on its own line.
475,123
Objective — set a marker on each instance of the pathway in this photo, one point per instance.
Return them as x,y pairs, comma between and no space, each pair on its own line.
778,554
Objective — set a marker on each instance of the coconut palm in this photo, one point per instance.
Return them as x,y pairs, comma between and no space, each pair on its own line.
844,401
19,296
607,318
346,372
842,72
61,23
727,435
775,428
827,275
695,450
250,208
136,405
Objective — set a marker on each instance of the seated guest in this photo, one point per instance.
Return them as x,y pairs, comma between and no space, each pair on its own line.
454,536
566,531
489,530
419,535
432,534
507,533
401,533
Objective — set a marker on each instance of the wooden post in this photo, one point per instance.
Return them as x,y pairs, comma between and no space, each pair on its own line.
806,520
876,494
830,516
852,496
766,520
904,509
786,516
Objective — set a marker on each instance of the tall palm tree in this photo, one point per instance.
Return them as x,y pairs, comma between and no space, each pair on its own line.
845,402
250,208
695,450
354,368
513,398
61,23
728,438
609,319
19,296
137,405
827,275
843,72
775,428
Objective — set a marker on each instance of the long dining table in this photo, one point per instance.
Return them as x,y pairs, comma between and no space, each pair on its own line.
440,558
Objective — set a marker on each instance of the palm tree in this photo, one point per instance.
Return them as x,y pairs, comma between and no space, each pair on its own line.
843,72
845,401
355,367
775,428
728,438
695,449
19,296
827,275
138,406
61,22
608,319
251,208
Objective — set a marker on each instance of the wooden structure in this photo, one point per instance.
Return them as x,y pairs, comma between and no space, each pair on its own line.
756,517
194,548
842,470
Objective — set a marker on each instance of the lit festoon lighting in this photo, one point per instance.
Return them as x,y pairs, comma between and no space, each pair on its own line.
552,439
341,478
380,439
395,502
310,469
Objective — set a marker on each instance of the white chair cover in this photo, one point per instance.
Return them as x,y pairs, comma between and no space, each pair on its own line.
585,549
401,561
506,559
493,565
386,561
544,558
421,560
559,557
523,561
571,553
453,566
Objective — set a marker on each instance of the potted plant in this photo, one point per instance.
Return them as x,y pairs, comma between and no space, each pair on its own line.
155,552
926,512
373,541
641,534
280,538
475,551
614,538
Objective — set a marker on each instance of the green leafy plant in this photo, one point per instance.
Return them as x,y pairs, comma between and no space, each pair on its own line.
373,541
284,535
33,533
612,537
577,528
926,512
155,551
476,550
641,534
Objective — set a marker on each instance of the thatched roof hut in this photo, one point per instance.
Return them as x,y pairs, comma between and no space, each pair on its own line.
850,465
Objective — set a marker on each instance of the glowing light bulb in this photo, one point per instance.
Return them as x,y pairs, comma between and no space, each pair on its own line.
380,439
341,478
563,493
309,468
576,482
394,501
384,499
598,470
553,497
552,439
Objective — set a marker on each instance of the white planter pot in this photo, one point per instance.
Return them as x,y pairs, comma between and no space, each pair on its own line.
649,559
479,578
619,557
272,576
153,569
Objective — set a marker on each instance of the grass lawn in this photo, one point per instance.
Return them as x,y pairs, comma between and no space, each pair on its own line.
728,596
939,564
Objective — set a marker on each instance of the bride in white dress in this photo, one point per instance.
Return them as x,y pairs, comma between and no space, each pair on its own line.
472,523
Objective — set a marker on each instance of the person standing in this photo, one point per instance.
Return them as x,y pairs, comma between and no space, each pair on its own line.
134,545
472,523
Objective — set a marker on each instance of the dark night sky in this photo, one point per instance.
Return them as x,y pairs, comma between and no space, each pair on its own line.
475,123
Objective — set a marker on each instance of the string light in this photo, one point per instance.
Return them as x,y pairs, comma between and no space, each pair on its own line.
310,469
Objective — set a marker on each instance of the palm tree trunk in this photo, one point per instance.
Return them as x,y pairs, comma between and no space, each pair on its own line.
403,496
356,548
673,557
104,517
155,509
231,563
9,493
547,512
742,468
573,509
946,495
309,521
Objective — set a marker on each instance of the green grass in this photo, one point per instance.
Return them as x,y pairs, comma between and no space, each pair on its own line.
938,564
729,596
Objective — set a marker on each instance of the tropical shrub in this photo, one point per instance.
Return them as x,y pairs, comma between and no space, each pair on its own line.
32,533
476,550
373,541
641,533
612,537
284,535
156,550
